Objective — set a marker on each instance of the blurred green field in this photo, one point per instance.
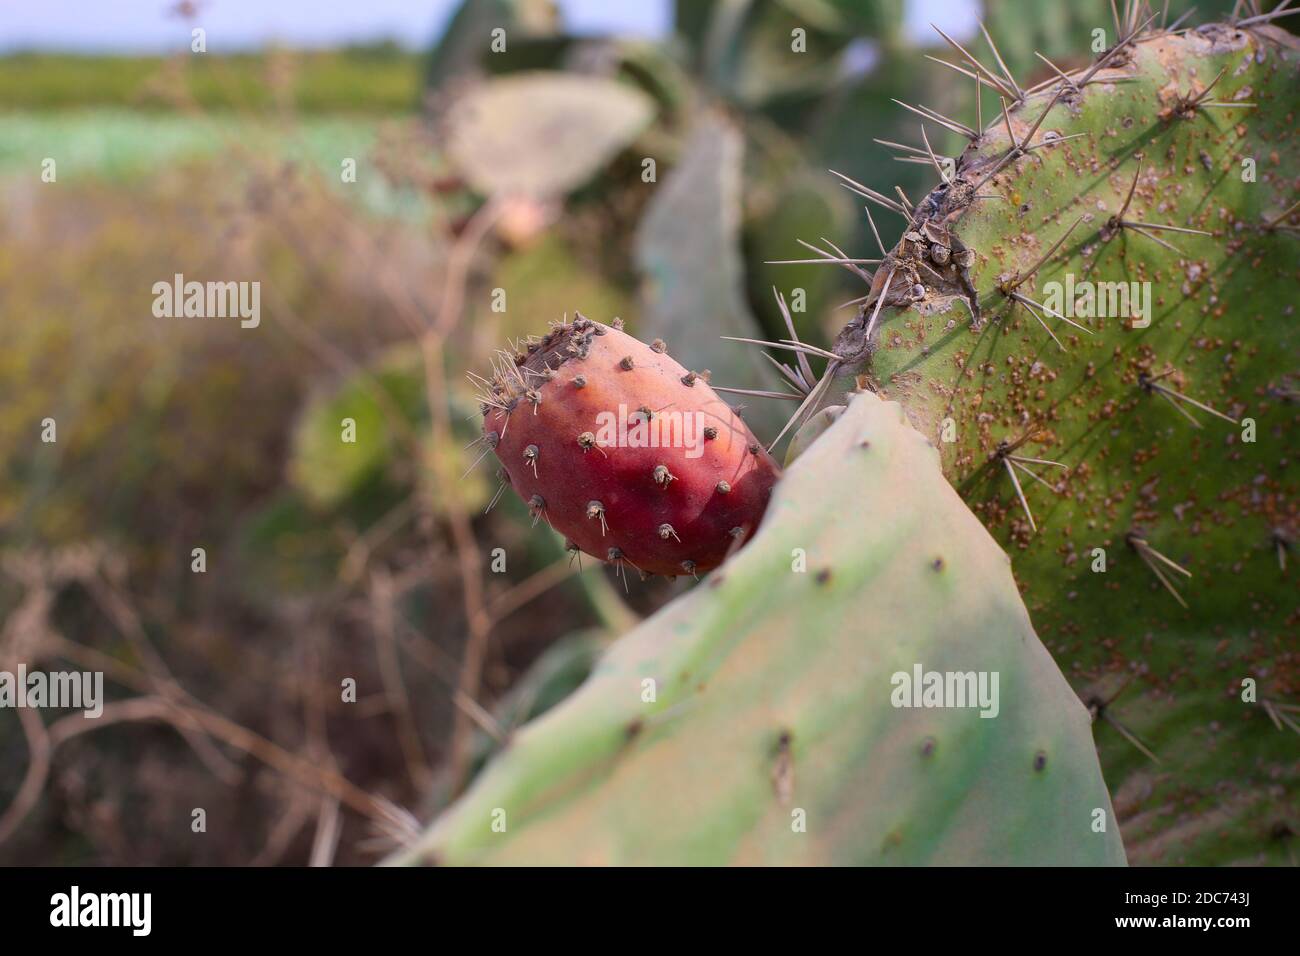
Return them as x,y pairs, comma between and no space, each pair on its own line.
128,148
375,80
118,144
122,119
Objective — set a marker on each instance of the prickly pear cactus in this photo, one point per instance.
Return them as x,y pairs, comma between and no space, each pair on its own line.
631,457
1093,317
756,719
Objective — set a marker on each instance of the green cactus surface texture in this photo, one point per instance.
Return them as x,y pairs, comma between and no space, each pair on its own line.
760,718
1093,317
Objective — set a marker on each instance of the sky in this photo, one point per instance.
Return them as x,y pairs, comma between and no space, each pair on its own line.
144,26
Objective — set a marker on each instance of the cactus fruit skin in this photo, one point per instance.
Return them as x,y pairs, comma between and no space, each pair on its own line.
1135,473
674,502
772,702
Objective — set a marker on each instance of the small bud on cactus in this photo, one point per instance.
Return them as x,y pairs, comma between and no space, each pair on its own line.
677,474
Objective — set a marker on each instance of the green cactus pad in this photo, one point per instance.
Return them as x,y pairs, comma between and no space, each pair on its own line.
772,735
1160,444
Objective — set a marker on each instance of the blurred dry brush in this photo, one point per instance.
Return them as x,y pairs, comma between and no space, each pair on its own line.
326,561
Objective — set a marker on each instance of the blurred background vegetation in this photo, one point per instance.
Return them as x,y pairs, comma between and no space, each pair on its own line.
648,178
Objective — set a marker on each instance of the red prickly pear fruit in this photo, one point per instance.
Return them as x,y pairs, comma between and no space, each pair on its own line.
623,451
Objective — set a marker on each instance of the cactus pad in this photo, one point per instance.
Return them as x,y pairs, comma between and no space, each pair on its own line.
752,720
1093,318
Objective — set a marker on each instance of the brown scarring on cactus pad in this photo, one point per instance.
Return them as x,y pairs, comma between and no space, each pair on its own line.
667,507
